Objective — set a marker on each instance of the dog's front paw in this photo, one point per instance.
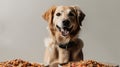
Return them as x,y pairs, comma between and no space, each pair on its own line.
53,65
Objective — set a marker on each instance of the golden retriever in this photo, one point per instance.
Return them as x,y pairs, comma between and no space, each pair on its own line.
63,45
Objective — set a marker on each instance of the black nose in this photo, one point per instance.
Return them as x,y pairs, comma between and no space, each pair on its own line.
66,23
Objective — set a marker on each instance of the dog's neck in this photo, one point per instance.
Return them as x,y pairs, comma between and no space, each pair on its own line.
67,45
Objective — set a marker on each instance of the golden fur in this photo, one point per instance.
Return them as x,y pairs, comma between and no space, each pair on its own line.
54,54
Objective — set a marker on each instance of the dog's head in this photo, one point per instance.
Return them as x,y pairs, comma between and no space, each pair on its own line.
64,19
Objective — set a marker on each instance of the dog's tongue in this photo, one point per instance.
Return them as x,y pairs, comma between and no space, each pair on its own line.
64,32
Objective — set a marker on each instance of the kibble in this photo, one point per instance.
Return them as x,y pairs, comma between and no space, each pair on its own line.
19,63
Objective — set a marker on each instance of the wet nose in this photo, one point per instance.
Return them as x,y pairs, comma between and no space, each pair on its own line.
66,23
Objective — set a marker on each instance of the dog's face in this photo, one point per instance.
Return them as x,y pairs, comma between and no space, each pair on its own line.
64,19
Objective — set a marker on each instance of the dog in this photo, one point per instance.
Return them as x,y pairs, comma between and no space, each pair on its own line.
63,45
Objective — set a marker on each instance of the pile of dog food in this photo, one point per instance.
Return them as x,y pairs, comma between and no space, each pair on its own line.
87,63
19,63
22,63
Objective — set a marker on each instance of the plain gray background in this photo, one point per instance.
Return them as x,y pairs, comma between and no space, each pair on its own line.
22,29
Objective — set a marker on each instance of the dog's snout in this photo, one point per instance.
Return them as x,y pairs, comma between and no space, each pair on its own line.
66,23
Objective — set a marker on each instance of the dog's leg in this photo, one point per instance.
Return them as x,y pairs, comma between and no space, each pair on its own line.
77,56
77,53
51,53
63,56
50,56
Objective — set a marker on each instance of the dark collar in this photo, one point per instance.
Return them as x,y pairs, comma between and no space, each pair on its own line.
68,45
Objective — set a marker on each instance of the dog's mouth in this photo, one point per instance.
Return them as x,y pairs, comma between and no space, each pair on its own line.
65,31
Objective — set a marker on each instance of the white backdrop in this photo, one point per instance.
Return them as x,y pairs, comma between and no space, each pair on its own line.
22,29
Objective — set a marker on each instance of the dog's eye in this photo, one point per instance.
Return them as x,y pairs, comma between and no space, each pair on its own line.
58,14
71,14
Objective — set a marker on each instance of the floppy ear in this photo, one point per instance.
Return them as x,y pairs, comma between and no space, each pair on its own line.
48,15
81,18
80,15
